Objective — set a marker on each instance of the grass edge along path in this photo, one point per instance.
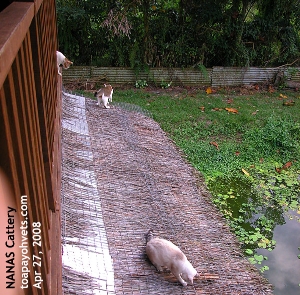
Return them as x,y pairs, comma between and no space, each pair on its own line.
247,146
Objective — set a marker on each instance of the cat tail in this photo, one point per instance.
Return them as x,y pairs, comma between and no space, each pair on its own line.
149,235
98,93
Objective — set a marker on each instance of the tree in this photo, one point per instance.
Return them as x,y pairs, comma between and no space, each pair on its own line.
179,33
278,31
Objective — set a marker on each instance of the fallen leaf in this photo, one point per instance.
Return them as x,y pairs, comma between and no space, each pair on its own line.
210,90
282,96
231,110
202,108
245,172
254,113
288,103
237,153
284,167
217,109
287,165
229,100
261,160
271,89
214,144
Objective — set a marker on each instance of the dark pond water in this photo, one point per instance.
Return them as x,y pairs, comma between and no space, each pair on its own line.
284,272
282,226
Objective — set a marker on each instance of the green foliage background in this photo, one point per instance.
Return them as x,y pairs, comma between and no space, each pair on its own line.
179,33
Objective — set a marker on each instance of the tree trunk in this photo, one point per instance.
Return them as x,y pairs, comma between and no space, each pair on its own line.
146,6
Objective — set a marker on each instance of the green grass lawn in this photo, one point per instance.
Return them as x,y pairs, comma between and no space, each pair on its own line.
219,142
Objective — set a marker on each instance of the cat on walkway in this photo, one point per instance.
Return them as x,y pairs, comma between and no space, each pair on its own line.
162,252
105,94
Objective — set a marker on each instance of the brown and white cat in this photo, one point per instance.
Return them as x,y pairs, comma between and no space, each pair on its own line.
162,252
62,61
105,94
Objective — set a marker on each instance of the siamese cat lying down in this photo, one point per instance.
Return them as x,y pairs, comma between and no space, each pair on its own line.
162,252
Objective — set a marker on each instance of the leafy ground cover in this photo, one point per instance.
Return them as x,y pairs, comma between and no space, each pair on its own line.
246,143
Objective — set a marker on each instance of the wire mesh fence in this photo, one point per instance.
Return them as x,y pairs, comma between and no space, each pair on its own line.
87,265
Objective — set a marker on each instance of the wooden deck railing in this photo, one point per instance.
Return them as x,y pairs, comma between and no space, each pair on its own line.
30,157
